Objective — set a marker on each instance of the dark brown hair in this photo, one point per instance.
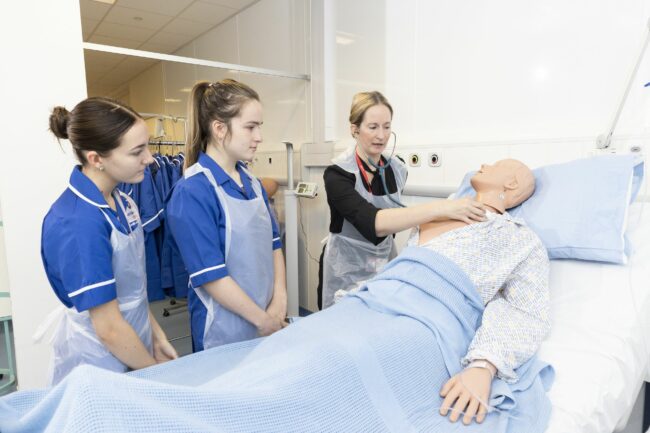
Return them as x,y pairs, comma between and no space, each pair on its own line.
95,123
220,101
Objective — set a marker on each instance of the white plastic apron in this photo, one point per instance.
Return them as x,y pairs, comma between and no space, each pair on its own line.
349,257
75,341
249,260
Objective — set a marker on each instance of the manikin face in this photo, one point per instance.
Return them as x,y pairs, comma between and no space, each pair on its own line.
127,162
246,132
503,185
499,176
374,132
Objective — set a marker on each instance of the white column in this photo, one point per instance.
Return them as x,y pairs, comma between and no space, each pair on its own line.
42,66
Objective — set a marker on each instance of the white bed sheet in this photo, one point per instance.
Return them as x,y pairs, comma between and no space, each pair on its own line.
599,344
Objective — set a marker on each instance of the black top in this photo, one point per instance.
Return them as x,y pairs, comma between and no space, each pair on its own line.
346,203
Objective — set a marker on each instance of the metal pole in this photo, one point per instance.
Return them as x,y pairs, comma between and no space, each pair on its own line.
604,140
291,237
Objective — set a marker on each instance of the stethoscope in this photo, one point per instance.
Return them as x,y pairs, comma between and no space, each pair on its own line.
381,167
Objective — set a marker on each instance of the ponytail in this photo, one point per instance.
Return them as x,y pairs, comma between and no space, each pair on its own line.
196,138
208,102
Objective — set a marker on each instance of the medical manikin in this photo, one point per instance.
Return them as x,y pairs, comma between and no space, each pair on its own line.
516,316
509,266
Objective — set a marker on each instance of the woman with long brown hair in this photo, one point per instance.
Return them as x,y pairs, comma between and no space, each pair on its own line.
220,220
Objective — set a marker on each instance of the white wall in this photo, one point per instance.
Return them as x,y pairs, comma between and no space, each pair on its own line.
270,34
42,67
538,81
479,81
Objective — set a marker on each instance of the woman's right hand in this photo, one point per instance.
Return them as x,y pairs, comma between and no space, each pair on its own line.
463,209
269,325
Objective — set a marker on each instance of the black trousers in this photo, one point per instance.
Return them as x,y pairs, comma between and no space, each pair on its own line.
319,289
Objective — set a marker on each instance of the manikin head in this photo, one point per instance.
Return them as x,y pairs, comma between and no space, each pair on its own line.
503,185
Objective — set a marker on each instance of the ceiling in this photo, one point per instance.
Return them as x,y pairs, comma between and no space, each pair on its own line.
149,25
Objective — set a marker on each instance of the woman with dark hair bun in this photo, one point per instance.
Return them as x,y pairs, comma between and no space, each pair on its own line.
92,245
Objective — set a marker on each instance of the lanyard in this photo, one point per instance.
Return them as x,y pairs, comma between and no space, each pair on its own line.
363,170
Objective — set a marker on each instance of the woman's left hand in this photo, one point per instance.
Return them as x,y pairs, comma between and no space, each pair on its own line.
278,311
475,382
163,351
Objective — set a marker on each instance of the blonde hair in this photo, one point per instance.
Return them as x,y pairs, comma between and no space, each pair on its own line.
362,101
220,101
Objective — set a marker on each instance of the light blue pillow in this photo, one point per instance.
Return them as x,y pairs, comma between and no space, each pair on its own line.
579,208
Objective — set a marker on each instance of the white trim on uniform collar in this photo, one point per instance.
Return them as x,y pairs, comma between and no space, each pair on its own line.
83,197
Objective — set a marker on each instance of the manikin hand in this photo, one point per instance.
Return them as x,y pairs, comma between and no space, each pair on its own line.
163,351
464,209
476,380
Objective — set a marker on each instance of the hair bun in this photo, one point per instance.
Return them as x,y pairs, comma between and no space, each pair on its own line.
59,122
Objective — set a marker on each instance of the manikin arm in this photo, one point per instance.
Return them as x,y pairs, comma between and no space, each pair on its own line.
516,320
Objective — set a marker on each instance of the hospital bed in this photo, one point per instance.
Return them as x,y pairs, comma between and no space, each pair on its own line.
599,343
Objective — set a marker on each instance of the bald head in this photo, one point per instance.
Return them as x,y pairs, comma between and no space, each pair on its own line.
510,181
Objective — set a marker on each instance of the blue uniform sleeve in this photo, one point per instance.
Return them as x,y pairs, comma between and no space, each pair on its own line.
85,263
277,242
193,216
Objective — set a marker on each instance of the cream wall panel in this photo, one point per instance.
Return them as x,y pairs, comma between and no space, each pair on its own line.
285,111
53,40
146,94
178,81
204,73
220,44
272,35
146,90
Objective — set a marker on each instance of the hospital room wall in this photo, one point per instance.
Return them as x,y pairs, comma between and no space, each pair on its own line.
537,81
475,83
270,34
39,167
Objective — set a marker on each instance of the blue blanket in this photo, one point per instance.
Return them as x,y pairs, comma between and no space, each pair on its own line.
375,362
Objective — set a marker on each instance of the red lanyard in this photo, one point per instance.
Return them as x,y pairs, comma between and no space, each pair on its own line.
363,170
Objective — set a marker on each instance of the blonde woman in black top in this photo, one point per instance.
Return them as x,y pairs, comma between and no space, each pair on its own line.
364,217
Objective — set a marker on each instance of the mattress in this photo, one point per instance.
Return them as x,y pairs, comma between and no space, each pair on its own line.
599,344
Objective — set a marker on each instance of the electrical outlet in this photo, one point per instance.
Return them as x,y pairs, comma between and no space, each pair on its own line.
434,159
637,149
414,160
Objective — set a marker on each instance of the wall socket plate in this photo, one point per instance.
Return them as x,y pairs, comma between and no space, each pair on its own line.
434,159
414,160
